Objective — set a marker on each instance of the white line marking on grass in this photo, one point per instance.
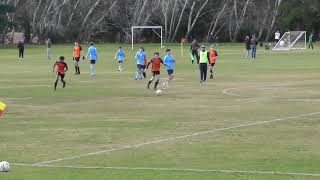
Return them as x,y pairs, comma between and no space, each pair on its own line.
174,138
175,169
227,92
23,86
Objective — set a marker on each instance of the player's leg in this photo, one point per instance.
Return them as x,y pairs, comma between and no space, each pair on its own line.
75,65
197,56
201,72
211,70
56,82
151,79
119,65
205,72
192,57
92,62
78,66
22,53
157,82
170,77
143,71
138,72
62,80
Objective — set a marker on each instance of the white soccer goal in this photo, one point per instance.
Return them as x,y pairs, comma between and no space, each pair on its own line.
160,35
292,40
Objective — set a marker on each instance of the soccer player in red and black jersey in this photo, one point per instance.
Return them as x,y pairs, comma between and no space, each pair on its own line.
156,63
60,68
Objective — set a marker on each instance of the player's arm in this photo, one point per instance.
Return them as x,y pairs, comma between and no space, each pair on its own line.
149,64
208,56
81,51
87,54
115,56
54,66
65,67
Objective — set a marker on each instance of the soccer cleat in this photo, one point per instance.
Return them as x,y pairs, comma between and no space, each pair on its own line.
64,85
211,77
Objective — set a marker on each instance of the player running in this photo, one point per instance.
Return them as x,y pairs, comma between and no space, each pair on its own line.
60,67
213,54
93,54
170,62
121,57
155,70
140,58
77,51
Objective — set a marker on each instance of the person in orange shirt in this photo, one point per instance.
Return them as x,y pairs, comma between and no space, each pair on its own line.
156,63
60,68
213,54
77,50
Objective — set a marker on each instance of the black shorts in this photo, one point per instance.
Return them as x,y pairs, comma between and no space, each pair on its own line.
143,66
92,61
77,59
155,73
170,71
60,74
212,64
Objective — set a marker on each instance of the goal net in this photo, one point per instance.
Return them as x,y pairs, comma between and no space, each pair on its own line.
155,29
292,40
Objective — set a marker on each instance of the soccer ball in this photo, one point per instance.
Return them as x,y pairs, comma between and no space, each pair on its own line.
4,166
281,43
159,92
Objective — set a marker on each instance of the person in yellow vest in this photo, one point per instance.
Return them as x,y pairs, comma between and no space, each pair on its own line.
203,64
2,109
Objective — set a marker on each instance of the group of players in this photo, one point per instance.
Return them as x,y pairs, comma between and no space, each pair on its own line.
203,58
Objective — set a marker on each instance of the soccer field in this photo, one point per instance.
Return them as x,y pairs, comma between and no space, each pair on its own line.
258,119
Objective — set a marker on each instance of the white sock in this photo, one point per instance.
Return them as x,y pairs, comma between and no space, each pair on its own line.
92,69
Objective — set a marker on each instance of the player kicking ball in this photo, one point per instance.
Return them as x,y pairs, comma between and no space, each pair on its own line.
169,62
155,70
213,54
60,67
121,57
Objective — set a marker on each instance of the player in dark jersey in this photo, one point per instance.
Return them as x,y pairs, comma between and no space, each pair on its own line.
60,68
156,63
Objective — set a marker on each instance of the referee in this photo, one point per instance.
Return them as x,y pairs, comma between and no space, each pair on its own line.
203,64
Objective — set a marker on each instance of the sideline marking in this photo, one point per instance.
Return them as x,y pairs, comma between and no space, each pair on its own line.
175,138
175,169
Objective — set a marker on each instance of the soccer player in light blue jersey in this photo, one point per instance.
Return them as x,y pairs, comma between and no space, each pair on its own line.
169,62
140,58
121,57
93,54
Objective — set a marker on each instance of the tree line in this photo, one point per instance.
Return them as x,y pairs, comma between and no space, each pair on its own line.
108,20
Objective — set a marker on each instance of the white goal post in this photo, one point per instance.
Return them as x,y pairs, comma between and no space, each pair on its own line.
147,27
292,40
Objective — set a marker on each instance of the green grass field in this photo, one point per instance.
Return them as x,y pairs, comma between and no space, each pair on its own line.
256,120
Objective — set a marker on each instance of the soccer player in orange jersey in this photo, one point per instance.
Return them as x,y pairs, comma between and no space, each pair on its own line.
213,54
60,68
156,63
77,50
